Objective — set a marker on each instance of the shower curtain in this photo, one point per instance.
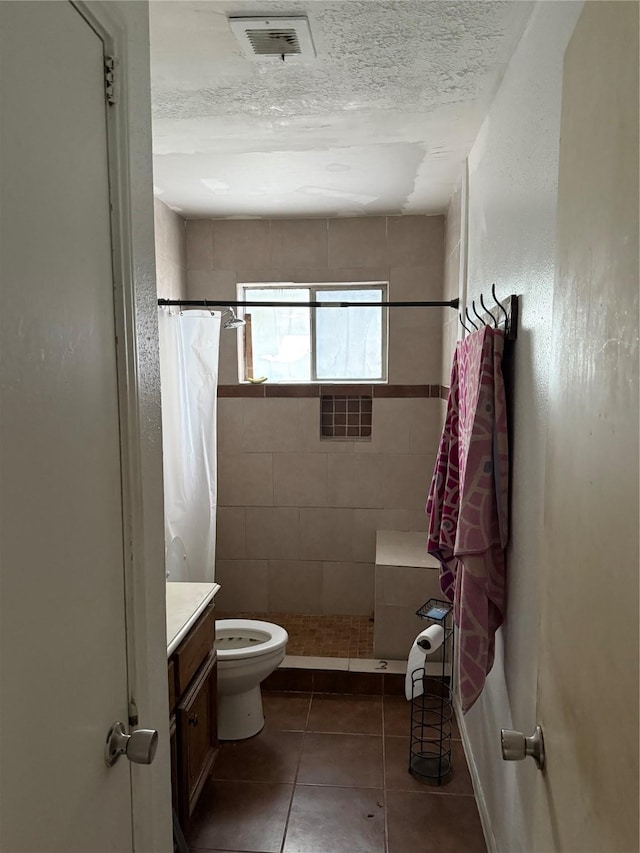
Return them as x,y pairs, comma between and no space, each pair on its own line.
189,343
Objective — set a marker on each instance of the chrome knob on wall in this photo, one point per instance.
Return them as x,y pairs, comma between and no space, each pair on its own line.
140,746
516,747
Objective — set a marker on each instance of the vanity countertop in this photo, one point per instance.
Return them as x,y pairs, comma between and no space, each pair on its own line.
185,603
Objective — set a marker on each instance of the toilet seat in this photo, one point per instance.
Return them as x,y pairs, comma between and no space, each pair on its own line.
237,639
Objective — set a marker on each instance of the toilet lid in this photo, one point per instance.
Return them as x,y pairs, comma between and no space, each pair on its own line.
176,563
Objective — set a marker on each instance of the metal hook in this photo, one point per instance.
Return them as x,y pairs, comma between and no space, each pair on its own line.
466,314
495,322
473,306
499,304
463,325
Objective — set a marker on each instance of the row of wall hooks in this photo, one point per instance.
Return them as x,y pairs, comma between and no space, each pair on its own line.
494,318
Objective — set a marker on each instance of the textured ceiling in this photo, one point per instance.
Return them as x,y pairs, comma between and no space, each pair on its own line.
379,122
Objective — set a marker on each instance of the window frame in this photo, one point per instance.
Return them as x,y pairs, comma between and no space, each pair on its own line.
314,288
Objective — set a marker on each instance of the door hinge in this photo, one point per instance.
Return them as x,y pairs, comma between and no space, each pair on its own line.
109,79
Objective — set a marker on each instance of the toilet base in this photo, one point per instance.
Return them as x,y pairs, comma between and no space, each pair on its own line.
240,714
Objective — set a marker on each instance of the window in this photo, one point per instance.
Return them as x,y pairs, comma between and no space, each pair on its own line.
307,344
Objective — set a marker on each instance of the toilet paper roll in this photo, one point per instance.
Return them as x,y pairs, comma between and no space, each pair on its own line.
425,643
430,639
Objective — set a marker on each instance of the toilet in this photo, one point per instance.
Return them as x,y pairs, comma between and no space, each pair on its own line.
248,651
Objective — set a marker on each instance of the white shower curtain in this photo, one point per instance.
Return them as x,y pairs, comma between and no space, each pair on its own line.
189,344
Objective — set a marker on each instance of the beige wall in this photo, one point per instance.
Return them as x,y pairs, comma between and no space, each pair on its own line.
297,515
512,197
171,256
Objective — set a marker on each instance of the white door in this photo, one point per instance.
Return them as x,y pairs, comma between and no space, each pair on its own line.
587,798
64,661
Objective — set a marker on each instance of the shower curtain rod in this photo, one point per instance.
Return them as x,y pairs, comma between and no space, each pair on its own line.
226,303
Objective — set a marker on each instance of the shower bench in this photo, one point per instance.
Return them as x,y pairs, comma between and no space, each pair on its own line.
405,577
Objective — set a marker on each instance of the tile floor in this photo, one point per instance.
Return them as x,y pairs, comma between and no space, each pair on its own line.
327,774
320,636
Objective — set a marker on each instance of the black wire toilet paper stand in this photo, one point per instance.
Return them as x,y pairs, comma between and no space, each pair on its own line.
432,711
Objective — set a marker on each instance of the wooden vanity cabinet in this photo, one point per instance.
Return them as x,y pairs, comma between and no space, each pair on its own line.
193,698
173,743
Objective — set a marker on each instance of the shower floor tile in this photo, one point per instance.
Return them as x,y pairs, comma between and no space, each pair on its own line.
320,636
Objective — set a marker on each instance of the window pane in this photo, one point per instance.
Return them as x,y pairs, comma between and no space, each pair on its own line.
349,340
281,336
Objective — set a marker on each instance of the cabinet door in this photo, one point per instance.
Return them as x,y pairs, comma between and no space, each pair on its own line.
194,649
173,740
171,674
197,735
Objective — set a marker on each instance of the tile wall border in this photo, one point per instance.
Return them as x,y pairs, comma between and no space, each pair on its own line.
312,390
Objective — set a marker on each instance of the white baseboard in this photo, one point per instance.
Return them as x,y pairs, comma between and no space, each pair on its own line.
487,829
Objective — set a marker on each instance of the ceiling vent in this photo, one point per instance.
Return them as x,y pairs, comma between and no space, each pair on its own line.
282,38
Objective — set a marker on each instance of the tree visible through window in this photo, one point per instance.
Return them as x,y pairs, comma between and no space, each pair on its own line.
307,344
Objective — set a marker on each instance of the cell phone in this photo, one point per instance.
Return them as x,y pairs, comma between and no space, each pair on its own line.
437,612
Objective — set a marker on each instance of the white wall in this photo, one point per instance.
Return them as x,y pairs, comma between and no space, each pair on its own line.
588,797
455,247
513,171
152,814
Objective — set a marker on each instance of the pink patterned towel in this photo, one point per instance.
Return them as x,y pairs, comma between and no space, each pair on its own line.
444,494
467,505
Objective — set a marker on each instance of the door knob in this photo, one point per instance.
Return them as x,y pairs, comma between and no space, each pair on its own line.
516,747
140,746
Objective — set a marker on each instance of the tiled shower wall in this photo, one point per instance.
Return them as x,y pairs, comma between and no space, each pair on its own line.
297,514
